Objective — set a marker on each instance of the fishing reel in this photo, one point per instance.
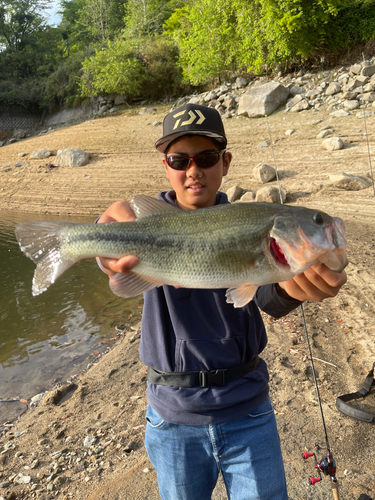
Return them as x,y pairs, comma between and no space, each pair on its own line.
326,466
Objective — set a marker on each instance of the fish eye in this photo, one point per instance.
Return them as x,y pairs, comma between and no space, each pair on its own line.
318,218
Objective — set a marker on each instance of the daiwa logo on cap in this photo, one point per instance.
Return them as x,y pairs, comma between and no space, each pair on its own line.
199,116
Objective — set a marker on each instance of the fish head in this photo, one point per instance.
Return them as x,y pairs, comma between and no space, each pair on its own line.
306,237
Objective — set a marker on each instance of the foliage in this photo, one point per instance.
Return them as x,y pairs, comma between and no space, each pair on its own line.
62,86
145,67
205,32
19,20
28,93
114,69
146,17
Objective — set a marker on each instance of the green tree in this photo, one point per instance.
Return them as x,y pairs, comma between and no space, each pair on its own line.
205,33
19,20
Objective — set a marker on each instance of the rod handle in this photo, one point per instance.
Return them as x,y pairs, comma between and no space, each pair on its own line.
335,490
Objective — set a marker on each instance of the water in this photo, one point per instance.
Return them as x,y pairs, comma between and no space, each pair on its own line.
49,337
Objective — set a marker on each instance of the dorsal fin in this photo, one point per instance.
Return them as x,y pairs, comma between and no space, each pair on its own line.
144,205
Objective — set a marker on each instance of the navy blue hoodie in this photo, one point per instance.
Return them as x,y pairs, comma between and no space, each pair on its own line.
193,329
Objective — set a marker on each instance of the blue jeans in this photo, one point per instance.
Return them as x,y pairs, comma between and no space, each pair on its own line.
188,458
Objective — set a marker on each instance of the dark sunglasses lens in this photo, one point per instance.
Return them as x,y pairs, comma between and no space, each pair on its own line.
178,162
208,160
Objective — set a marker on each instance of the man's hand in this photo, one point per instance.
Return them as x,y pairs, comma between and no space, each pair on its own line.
316,283
120,211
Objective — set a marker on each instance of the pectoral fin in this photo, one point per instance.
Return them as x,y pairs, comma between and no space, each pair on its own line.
242,295
130,284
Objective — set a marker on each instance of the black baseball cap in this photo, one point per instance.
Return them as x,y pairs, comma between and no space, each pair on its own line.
192,119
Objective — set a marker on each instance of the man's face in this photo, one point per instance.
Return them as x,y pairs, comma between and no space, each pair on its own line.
196,187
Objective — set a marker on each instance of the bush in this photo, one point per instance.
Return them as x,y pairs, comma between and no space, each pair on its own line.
147,68
62,86
27,93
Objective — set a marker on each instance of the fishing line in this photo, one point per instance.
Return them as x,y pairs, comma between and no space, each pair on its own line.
274,161
368,150
327,465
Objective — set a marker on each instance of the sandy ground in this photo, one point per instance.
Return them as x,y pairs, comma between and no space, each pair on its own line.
110,401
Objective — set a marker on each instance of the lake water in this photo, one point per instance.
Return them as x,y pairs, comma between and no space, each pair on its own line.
50,337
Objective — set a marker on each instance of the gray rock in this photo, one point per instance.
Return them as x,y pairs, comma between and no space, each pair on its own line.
290,131
362,114
355,68
19,164
270,194
234,193
303,105
333,88
351,104
367,97
147,111
292,102
333,143
103,109
210,96
241,82
23,479
40,154
295,90
120,99
89,441
264,173
19,134
72,158
195,99
368,70
324,133
248,197
339,113
348,182
263,144
22,154
262,100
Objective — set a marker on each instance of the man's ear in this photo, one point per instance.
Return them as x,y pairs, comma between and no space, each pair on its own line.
227,158
165,166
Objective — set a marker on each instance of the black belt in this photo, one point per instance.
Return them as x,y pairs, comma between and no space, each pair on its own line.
202,378
358,413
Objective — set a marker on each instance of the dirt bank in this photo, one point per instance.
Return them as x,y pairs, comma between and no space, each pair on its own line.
109,402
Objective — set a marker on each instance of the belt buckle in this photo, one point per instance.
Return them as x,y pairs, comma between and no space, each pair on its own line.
213,377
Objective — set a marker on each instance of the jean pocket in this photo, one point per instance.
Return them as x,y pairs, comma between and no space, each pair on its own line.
264,408
153,418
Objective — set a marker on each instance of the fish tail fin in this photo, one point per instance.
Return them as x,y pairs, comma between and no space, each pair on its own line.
42,243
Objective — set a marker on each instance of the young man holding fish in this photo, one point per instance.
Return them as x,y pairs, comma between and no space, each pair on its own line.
208,390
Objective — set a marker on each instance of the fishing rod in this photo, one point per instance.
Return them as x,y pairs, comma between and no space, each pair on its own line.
327,464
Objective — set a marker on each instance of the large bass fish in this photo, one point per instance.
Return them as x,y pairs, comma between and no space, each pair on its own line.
235,246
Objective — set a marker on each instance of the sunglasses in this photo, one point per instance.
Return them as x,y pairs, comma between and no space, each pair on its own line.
202,160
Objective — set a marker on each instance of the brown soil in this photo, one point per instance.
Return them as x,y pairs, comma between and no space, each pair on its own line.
110,400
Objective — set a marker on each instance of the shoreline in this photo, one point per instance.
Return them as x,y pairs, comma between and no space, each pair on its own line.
91,446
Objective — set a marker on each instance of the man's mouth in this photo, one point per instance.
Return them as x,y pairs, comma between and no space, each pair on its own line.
195,187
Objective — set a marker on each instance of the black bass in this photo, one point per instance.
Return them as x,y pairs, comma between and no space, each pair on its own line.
235,246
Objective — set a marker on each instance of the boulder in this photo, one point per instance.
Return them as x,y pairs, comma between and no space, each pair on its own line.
40,154
351,104
262,100
234,193
300,106
356,69
368,70
147,111
333,144
72,158
248,197
264,173
348,182
333,88
270,194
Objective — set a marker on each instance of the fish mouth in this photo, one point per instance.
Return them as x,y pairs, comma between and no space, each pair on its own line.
277,253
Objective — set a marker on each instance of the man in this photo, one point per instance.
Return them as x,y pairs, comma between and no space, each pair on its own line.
199,424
